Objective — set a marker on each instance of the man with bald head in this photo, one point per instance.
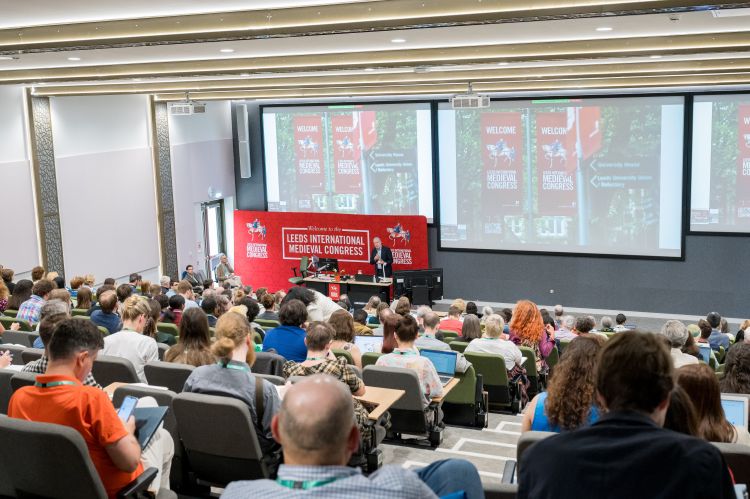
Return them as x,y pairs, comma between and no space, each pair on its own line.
318,433
382,258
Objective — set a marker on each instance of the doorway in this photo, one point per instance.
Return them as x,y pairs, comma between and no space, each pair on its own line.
213,233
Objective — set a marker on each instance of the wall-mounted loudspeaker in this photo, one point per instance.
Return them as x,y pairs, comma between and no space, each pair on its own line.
243,140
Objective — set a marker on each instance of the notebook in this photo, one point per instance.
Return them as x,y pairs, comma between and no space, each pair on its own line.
735,409
369,343
444,362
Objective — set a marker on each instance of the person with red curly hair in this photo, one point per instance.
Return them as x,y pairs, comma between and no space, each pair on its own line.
527,329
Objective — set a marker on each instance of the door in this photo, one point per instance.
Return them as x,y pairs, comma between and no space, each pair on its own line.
214,233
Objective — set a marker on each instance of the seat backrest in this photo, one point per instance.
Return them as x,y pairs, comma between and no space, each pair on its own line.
7,321
448,334
397,378
528,439
218,457
553,358
33,471
10,312
163,347
109,369
275,380
562,345
23,338
268,363
267,323
78,311
16,351
20,379
163,398
490,366
465,391
31,354
530,363
6,391
370,358
737,457
169,374
343,353
166,327
458,346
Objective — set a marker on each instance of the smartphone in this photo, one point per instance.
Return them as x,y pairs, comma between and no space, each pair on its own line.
127,408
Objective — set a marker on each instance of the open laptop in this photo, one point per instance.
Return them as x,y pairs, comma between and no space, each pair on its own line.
444,362
369,343
705,351
735,409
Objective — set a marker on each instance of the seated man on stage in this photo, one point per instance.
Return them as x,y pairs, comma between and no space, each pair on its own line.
225,273
382,258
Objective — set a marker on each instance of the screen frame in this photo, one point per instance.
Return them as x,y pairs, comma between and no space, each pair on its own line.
686,158
433,128
689,204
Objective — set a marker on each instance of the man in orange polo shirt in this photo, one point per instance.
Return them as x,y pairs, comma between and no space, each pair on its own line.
60,397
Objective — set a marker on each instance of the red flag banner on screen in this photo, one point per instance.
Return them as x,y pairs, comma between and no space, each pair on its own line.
347,161
308,147
743,163
502,142
369,130
556,163
589,128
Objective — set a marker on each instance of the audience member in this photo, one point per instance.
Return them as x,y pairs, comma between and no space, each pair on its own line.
559,312
681,415
84,298
151,329
471,309
75,285
569,401
566,327
389,322
231,377
31,308
345,303
486,312
60,397
63,296
627,453
192,279
154,290
620,320
460,304
706,330
700,383
691,347
407,356
251,312
318,430
130,343
110,281
20,294
428,339
677,334
166,285
372,310
737,370
185,290
359,317
194,344
403,307
527,329
453,321
53,308
99,292
471,328
134,281
288,339
321,307
176,307
106,316
4,296
494,341
269,304
343,335
717,338
7,276
37,273
605,325
320,360
57,279
209,306
383,312
145,289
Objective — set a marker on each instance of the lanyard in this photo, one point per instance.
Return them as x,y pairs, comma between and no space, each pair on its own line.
405,352
233,366
54,383
304,485
317,358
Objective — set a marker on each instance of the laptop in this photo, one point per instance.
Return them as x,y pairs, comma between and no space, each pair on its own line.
147,421
444,362
364,278
735,409
369,343
705,351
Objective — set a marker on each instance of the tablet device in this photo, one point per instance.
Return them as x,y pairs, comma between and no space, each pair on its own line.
147,421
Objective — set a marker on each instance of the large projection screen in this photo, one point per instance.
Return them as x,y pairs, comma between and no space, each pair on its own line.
373,159
593,176
720,174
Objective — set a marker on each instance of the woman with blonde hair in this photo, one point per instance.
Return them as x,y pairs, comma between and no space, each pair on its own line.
403,306
89,281
527,329
130,342
231,377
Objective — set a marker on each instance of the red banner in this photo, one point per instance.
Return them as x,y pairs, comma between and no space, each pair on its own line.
502,143
589,128
347,161
308,147
268,244
556,163
743,163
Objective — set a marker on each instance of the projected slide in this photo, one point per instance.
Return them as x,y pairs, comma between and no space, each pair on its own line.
720,182
366,159
597,176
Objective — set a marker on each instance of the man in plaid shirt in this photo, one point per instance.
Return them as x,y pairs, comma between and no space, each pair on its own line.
31,309
316,428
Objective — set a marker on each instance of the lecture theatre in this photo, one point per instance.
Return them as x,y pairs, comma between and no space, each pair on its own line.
383,249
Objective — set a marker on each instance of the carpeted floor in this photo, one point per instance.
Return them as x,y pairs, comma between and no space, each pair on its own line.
488,448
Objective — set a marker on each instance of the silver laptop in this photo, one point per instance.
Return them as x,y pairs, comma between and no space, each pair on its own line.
369,343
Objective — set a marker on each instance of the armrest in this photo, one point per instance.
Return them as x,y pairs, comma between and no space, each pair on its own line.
140,484
509,471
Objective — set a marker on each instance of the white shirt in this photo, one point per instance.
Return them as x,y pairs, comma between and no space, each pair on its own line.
190,304
682,359
134,346
321,308
507,349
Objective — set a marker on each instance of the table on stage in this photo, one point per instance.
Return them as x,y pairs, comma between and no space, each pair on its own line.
359,292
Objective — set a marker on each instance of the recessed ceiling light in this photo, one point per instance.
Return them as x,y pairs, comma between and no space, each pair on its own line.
245,74
6,58
503,63
604,28
226,51
398,40
74,58
369,69
137,79
655,56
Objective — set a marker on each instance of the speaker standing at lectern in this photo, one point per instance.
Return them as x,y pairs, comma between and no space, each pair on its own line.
382,258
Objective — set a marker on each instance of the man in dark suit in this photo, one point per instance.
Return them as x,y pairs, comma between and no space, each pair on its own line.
382,258
627,453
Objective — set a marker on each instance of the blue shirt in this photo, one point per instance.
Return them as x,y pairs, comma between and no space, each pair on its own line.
718,339
110,320
542,423
288,341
